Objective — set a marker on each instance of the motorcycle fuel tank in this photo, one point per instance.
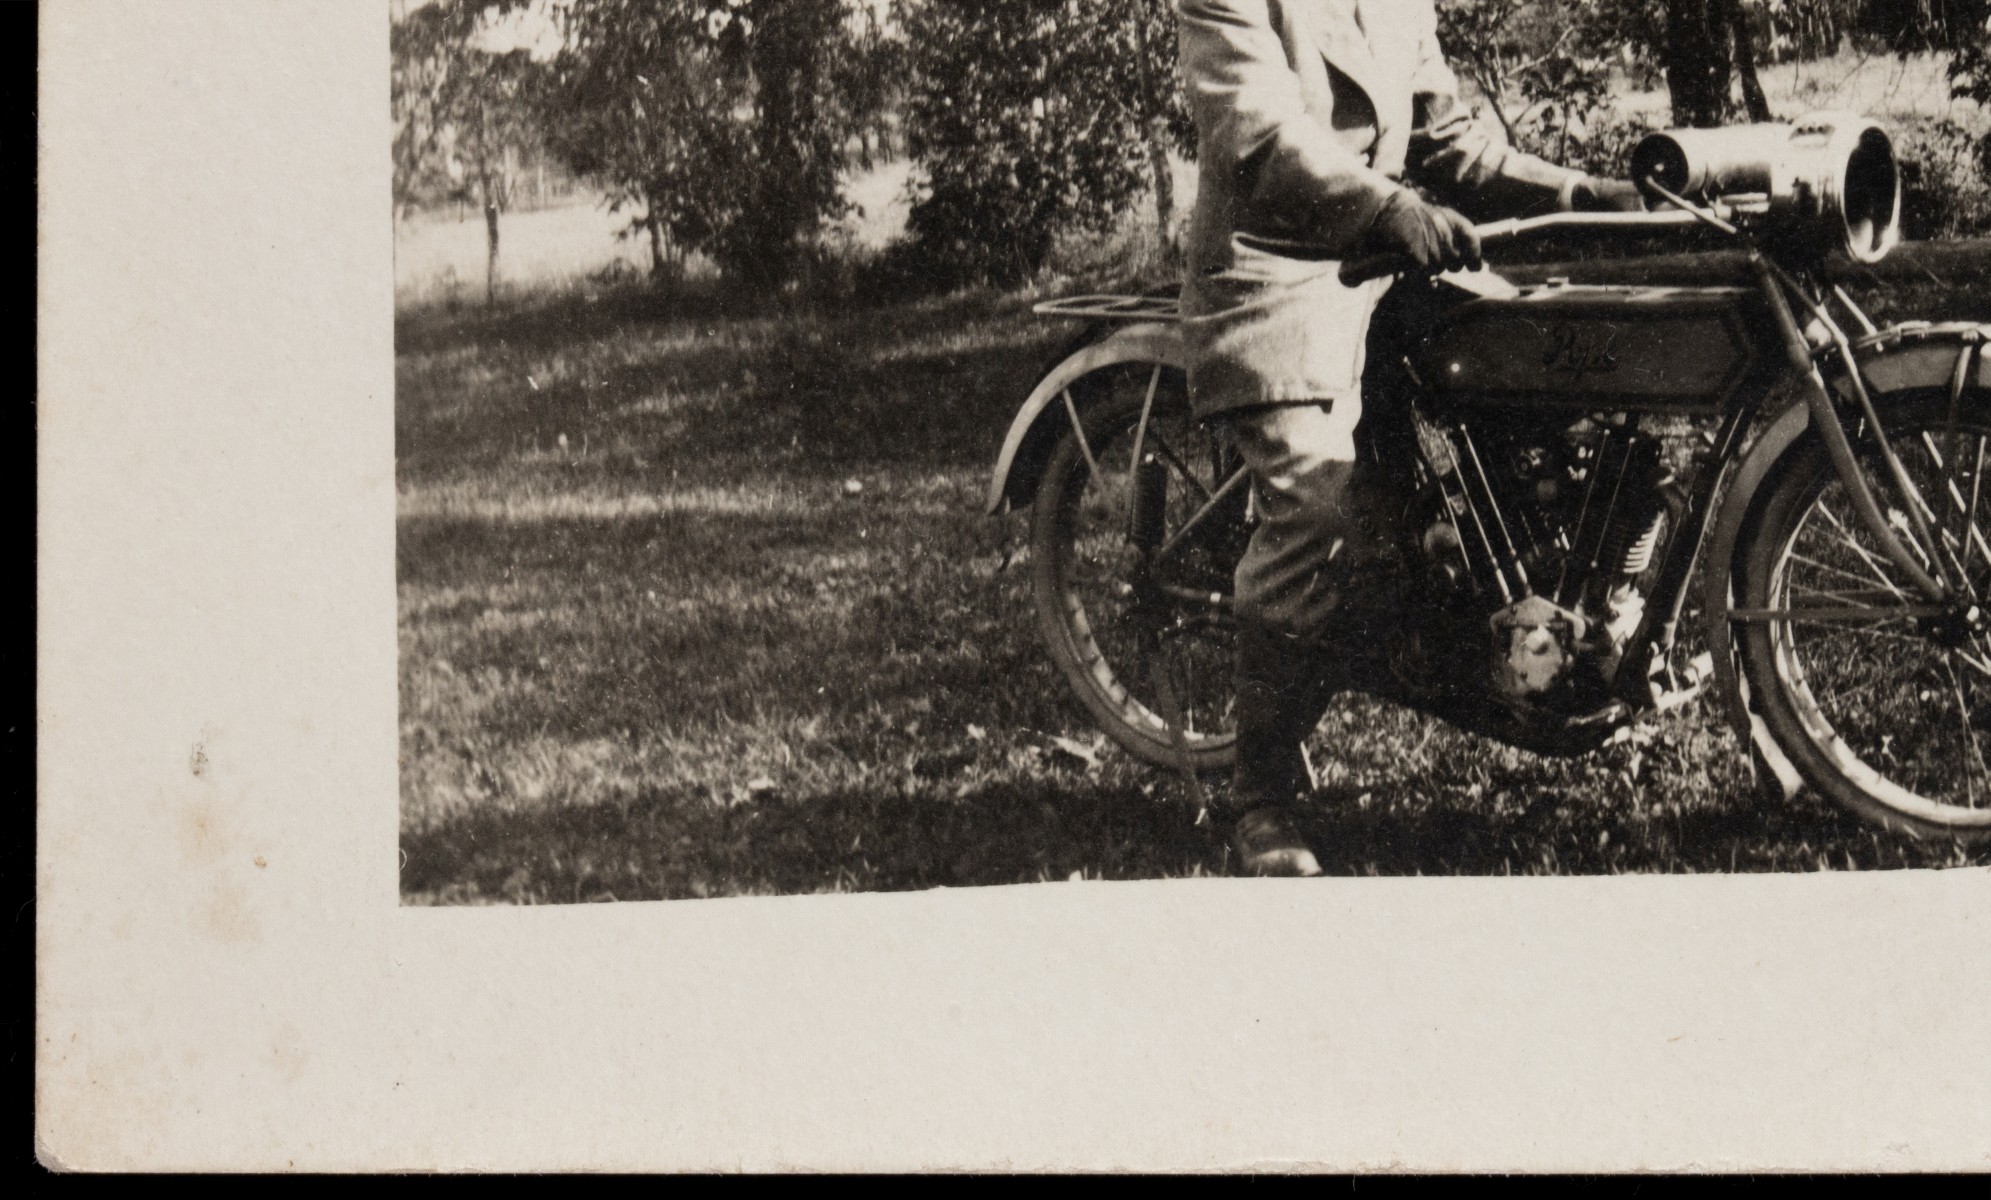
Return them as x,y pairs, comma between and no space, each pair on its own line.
1624,348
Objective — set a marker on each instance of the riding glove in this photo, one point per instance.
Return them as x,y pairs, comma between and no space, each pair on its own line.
1436,239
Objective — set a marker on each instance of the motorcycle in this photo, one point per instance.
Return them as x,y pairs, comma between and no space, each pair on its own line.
1578,472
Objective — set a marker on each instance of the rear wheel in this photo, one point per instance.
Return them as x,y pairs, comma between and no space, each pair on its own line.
1880,698
1135,533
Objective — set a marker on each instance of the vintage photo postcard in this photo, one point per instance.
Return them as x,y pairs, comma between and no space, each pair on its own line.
1190,585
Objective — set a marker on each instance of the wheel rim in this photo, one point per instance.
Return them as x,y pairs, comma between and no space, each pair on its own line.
1894,691
1144,610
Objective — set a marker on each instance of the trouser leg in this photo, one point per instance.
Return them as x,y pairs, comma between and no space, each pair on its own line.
1279,701
1317,542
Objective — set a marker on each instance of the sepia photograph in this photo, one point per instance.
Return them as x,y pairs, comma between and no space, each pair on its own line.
1259,586
857,445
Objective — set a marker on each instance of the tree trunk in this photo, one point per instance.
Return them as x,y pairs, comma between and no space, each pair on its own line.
491,242
1698,67
1164,181
1753,99
659,268
1492,87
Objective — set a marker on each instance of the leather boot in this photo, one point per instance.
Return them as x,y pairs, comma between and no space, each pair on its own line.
1279,700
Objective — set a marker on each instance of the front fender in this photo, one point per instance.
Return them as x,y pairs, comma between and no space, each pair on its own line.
1893,362
1032,435
1717,584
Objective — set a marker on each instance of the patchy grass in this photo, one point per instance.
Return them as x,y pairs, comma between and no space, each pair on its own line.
698,600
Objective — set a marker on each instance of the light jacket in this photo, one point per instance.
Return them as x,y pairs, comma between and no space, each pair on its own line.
1308,114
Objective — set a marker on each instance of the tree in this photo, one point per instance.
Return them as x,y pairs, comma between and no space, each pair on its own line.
463,115
1486,41
1803,29
726,124
1708,44
1907,26
418,69
1034,118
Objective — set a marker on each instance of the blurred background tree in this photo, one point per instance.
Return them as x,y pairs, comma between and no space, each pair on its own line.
464,117
727,124
1032,119
732,129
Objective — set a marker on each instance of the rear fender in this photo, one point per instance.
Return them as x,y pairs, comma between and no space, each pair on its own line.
1894,362
1034,433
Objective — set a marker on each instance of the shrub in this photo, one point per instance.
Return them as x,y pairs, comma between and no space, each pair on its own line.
1945,180
1601,145
1030,121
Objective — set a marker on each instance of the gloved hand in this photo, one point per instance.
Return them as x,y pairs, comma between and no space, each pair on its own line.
1592,194
1435,239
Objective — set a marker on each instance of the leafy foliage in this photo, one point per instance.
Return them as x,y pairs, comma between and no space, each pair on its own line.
1543,70
725,123
1970,66
1032,119
463,115
1907,26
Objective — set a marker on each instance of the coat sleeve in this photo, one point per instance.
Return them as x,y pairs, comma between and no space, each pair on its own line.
1462,162
1298,189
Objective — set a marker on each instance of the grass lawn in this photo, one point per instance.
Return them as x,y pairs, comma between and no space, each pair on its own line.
698,600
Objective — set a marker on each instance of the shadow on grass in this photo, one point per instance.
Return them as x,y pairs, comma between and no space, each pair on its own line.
1562,833
670,622
662,848
924,387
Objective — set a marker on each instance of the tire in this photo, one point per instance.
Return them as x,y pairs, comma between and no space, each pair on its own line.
1889,716
1111,625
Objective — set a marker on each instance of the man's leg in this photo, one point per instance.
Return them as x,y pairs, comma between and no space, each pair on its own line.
1314,542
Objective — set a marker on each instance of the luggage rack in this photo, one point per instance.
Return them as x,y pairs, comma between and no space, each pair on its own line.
1113,308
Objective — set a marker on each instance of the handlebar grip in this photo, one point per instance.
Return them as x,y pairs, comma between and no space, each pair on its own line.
1375,266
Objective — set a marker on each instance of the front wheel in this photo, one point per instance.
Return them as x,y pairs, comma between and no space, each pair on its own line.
1135,532
1880,698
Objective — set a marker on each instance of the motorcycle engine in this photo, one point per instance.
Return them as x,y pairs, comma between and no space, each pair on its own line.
1549,530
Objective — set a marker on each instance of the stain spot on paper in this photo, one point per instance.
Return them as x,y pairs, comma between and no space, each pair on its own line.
201,836
229,918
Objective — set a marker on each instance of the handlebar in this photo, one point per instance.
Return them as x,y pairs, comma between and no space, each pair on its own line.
1375,266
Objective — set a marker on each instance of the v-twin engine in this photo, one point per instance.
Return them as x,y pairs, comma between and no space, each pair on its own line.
1546,532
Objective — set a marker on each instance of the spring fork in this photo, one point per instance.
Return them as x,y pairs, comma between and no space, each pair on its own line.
1959,377
1825,416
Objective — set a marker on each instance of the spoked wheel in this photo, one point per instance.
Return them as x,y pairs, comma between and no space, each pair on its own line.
1880,697
1135,533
